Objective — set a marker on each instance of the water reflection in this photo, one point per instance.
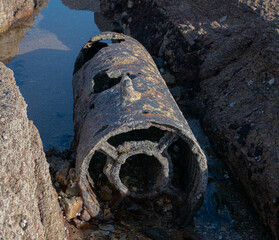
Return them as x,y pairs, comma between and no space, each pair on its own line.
38,38
43,69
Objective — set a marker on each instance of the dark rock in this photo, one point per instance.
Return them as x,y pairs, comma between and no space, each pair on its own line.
156,234
106,193
62,174
169,78
176,93
159,62
184,235
88,5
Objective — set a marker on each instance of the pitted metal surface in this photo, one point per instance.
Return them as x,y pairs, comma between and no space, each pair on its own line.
122,109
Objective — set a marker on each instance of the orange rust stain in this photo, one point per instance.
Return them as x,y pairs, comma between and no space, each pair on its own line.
167,114
159,112
162,105
153,93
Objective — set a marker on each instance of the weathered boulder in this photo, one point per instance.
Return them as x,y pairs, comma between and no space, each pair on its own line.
225,54
14,10
29,207
10,40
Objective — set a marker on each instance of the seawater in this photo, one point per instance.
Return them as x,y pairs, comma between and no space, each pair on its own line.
43,69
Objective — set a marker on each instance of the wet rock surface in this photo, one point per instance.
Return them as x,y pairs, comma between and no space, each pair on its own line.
225,55
88,5
13,10
29,207
10,40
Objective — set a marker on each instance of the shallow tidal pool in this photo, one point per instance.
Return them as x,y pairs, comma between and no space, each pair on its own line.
43,69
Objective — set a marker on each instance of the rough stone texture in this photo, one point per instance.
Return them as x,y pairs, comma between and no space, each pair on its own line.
88,5
14,10
10,40
28,203
225,54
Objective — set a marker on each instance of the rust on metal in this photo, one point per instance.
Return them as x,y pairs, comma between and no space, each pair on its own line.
124,113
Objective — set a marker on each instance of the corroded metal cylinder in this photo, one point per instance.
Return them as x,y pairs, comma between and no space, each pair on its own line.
123,113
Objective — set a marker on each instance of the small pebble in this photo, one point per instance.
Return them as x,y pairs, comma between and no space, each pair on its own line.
223,19
85,216
107,213
134,189
72,206
168,207
271,81
199,196
101,233
107,227
250,82
232,104
23,224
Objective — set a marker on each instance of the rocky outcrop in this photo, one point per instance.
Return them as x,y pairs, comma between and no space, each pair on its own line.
14,10
225,57
28,203
10,40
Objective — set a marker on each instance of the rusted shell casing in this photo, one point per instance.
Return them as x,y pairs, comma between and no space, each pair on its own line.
119,93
